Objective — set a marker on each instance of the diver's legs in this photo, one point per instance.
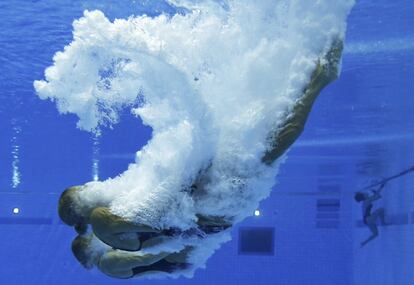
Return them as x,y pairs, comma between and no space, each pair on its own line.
379,213
368,240
371,223
326,71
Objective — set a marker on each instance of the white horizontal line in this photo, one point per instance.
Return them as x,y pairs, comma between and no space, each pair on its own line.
386,45
355,140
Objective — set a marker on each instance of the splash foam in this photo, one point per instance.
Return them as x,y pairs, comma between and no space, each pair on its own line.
211,83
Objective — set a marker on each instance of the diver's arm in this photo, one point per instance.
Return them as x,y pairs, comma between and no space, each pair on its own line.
118,260
102,218
326,71
120,225
120,264
154,241
131,227
117,231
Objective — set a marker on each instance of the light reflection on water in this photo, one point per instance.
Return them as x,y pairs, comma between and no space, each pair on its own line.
95,155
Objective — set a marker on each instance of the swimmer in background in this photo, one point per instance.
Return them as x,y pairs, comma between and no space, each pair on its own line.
370,217
126,264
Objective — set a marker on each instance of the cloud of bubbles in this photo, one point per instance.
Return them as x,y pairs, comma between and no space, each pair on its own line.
211,83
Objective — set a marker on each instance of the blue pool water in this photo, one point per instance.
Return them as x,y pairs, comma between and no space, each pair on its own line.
361,129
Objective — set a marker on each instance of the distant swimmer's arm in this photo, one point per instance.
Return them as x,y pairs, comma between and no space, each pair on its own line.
376,196
326,71
379,190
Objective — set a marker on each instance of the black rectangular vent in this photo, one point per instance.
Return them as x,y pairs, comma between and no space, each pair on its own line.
327,213
256,240
328,205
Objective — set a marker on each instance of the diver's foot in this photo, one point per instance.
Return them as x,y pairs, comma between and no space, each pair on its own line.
327,69
329,65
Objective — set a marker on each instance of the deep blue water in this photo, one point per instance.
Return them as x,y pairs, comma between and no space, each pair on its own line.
361,128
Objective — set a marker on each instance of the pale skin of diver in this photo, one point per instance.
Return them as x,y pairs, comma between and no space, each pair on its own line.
120,264
114,230
110,228
123,234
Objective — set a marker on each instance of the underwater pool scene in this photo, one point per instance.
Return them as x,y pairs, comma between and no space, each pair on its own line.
181,123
